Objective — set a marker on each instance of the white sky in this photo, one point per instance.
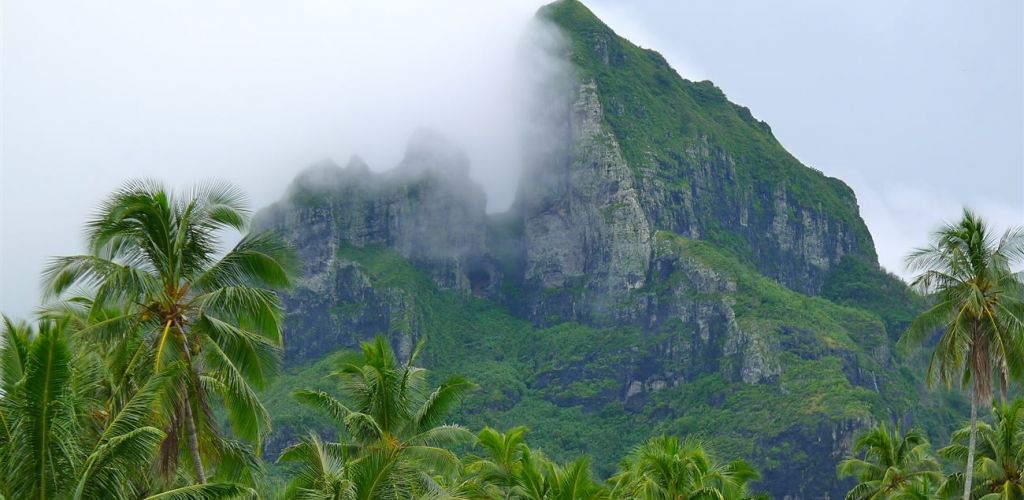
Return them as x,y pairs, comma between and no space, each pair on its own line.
916,104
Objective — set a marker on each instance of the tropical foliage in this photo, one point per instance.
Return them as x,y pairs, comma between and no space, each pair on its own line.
999,462
140,378
62,436
396,449
394,426
144,339
159,295
979,308
667,468
890,464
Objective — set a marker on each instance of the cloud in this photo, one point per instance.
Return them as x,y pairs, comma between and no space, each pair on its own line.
902,102
96,92
903,216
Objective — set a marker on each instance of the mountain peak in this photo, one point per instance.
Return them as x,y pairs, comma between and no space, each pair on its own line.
591,40
726,177
571,13
660,253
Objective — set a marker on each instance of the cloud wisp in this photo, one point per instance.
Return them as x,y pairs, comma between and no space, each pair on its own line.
98,92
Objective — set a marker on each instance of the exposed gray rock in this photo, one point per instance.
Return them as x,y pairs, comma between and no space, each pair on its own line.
797,245
583,243
427,209
585,231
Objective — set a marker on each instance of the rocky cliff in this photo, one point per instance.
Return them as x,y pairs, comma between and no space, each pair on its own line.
666,267
426,209
703,167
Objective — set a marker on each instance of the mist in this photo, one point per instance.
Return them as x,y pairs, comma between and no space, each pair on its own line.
97,92
900,101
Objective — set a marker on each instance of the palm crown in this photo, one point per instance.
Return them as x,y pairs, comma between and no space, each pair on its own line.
977,305
153,257
508,469
1000,450
666,468
394,421
892,464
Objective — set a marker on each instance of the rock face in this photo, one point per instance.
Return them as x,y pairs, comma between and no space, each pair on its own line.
585,234
785,237
653,214
426,209
631,149
701,298
704,167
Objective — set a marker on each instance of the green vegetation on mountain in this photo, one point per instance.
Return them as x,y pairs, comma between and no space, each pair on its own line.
674,307
658,116
92,394
556,379
858,283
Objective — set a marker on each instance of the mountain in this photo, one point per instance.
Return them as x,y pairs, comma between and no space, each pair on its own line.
666,267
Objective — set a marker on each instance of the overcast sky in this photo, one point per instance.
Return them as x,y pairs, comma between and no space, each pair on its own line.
905,101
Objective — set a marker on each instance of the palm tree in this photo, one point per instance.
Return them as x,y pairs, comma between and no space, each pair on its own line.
393,420
574,481
509,469
978,308
666,468
335,471
38,413
502,461
459,484
153,258
324,470
535,477
1000,453
54,440
892,464
923,488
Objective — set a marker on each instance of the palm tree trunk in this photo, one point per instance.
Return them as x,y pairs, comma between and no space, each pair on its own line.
190,422
969,473
193,442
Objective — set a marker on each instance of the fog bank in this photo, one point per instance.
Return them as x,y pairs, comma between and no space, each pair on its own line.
96,92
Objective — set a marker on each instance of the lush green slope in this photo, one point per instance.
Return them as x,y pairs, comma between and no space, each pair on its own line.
681,273
858,283
557,380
